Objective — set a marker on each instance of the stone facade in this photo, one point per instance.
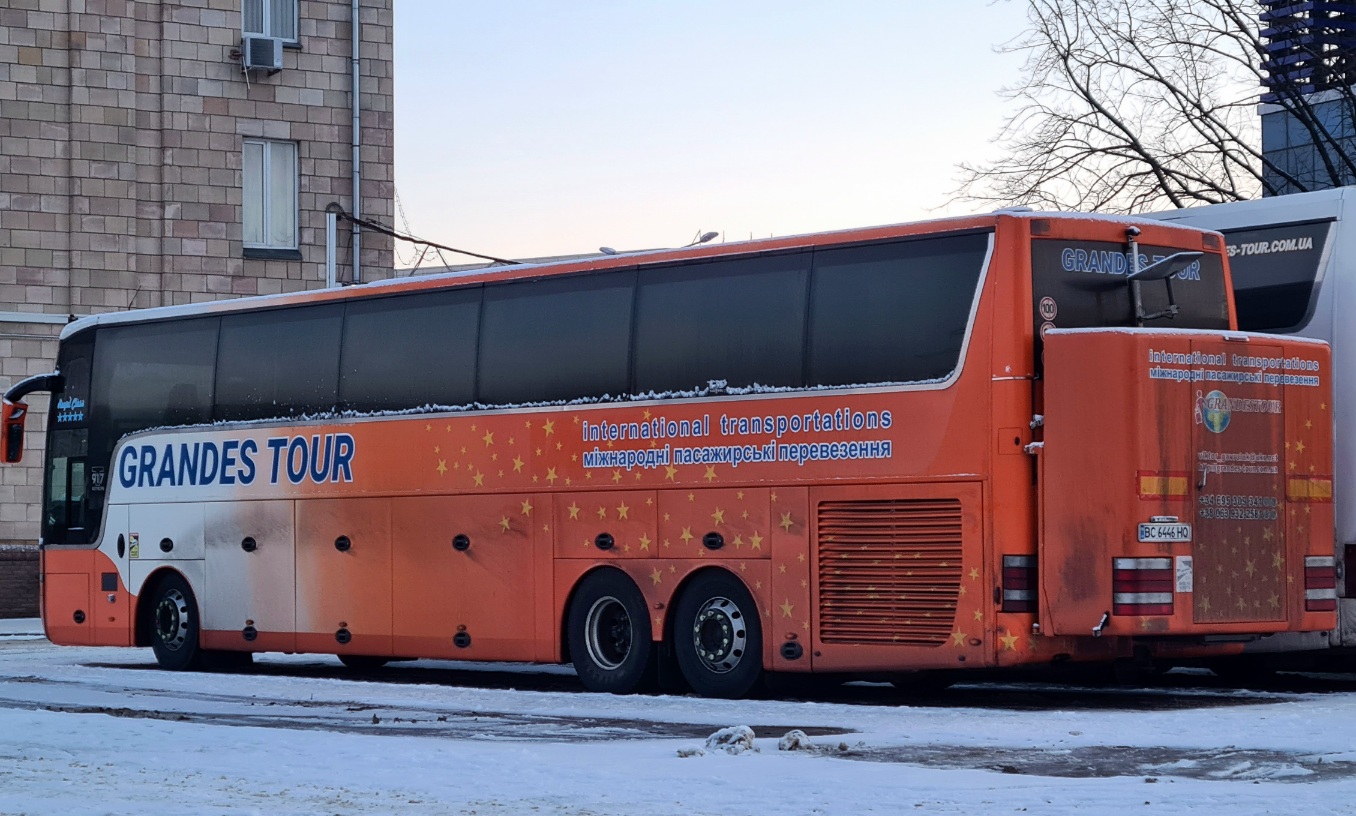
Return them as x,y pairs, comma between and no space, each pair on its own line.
122,124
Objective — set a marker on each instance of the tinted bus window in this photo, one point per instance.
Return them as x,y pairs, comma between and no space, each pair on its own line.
1274,270
154,374
1082,284
278,363
894,312
741,320
558,339
410,351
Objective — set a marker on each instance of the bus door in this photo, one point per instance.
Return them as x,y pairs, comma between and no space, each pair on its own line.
1164,495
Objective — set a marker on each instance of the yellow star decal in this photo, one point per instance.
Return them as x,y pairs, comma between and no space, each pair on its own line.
504,524
518,464
786,522
787,609
686,534
622,510
428,427
549,426
616,476
437,448
1299,447
710,473
488,438
602,512
669,472
958,638
974,574
656,575
756,541
527,507
979,615
442,467
644,542
1009,642
719,516
551,475
479,479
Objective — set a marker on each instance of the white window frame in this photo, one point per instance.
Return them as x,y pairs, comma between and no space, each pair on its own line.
266,10
265,171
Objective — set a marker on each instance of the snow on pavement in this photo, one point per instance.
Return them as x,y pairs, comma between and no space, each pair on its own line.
91,731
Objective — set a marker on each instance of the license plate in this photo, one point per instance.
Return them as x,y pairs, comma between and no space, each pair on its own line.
1164,532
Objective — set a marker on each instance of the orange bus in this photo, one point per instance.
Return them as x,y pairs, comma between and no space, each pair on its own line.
990,441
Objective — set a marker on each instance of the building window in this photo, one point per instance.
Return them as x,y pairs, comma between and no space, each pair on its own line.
269,207
270,18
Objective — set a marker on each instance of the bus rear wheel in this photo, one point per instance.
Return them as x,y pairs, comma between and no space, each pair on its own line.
609,633
718,636
174,624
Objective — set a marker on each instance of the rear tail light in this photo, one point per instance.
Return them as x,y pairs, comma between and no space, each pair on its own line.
1141,586
1019,583
1320,583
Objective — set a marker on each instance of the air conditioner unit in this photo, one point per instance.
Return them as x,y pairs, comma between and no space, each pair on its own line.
261,53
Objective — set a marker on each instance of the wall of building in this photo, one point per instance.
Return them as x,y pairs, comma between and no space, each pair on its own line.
121,141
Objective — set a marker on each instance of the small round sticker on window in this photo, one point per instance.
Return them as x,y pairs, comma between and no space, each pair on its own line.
1048,308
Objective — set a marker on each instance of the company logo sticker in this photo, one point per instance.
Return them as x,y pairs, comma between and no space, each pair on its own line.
1213,411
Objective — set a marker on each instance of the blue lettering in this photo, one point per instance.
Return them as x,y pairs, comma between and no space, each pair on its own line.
320,468
145,478
166,472
127,467
276,444
296,467
188,464
228,450
343,458
211,459
247,450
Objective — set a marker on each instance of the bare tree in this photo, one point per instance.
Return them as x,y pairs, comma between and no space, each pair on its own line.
1131,105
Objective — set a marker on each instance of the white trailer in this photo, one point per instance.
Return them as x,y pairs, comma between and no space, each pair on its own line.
1293,262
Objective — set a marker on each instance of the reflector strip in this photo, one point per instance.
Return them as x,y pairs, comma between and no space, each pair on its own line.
1163,485
1142,563
1143,598
1309,489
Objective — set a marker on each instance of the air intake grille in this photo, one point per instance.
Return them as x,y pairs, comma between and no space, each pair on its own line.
889,571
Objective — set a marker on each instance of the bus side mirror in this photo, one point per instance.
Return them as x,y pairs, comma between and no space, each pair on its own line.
12,416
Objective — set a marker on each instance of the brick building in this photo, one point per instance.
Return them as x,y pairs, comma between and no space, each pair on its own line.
142,165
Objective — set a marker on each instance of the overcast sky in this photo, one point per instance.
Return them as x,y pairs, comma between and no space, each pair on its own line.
539,127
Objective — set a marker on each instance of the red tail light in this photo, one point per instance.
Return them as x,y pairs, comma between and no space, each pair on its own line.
1320,583
1141,586
1019,583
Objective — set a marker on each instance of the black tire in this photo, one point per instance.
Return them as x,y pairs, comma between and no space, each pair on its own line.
718,636
609,633
174,624
363,663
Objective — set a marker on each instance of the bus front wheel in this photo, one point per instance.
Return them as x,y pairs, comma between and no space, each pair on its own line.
609,633
718,636
174,624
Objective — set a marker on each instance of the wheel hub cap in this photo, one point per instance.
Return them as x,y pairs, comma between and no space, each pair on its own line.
719,635
608,633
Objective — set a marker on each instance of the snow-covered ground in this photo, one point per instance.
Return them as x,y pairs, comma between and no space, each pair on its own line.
99,731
